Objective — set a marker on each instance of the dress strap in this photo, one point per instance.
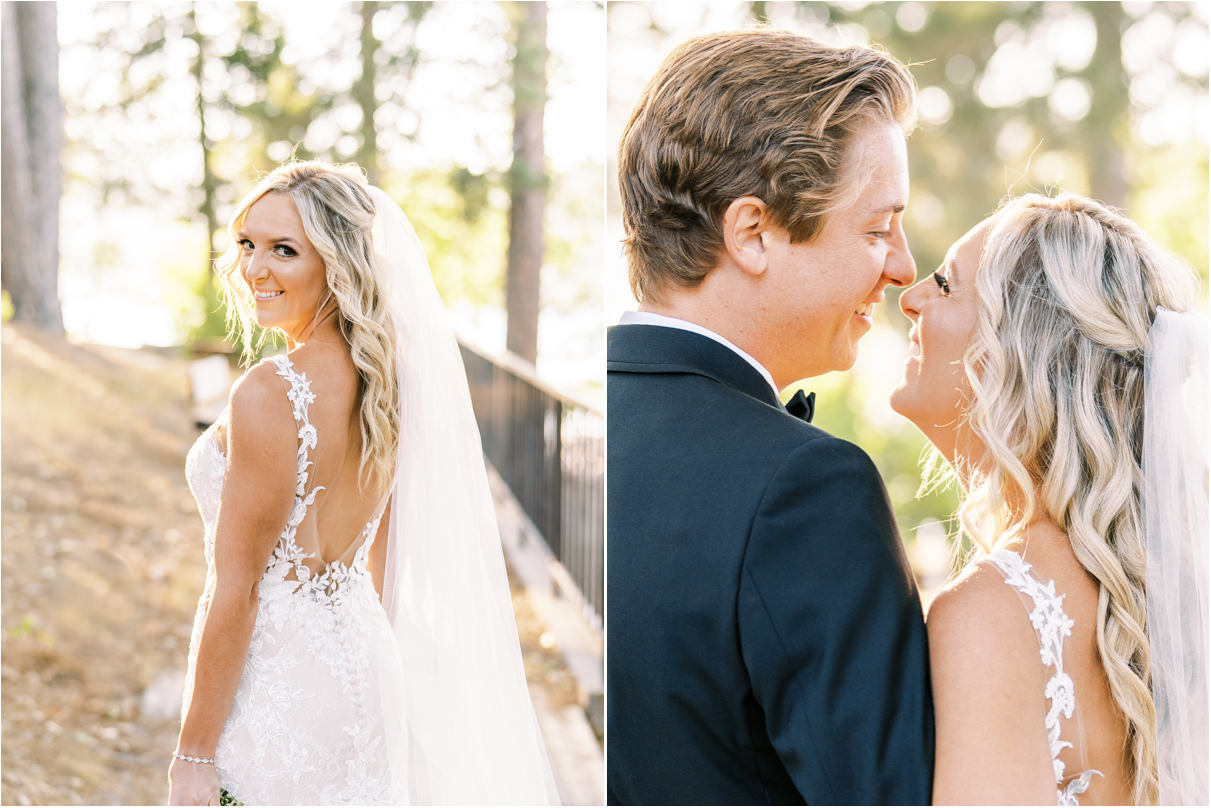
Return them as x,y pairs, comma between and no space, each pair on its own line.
301,398
1051,625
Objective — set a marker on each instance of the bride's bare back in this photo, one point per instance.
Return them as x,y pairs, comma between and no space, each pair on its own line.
342,508
333,523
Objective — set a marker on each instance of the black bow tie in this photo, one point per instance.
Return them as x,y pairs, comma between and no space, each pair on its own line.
802,406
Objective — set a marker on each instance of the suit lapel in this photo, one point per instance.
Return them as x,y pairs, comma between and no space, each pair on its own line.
634,348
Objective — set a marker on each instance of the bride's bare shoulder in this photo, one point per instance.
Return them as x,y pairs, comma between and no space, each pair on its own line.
988,691
258,401
983,621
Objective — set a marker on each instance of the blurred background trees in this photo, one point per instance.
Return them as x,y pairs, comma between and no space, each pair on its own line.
527,177
1105,99
172,110
490,136
32,121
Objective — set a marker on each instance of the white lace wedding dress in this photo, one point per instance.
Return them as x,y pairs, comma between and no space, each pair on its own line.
1052,625
314,720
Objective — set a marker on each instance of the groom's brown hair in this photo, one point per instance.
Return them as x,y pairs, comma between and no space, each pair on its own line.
758,112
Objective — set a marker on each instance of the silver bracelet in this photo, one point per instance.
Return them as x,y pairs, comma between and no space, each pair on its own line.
192,759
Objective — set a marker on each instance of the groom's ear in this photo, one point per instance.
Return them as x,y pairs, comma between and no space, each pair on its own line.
744,222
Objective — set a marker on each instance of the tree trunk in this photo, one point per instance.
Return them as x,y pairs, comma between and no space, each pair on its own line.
1107,114
208,178
527,179
31,143
363,93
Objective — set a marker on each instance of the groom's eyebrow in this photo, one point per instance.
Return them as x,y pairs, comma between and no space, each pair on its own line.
894,207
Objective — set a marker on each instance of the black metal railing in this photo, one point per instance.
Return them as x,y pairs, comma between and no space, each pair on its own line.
549,449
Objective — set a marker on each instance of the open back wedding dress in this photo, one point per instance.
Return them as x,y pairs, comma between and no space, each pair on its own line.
421,698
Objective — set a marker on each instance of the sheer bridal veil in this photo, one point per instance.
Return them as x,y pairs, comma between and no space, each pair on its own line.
468,728
1175,530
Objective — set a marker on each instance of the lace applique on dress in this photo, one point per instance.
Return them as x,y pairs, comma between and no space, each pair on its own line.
1051,625
287,556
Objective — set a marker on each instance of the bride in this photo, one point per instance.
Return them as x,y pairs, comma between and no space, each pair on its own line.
1058,369
355,640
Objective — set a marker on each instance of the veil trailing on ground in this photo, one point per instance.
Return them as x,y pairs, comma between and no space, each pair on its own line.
1175,529
469,725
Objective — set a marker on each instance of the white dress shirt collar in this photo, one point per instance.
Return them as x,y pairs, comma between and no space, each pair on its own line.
649,318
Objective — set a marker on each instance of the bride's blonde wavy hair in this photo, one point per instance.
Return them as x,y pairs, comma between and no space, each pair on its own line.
337,212
1067,290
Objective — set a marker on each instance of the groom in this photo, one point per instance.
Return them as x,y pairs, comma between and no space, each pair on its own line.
765,638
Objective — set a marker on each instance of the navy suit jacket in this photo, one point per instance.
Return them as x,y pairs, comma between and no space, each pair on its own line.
765,637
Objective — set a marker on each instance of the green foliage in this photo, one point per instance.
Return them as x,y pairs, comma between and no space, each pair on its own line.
211,330
573,228
199,310
214,323
472,189
1169,201
461,221
844,408
225,798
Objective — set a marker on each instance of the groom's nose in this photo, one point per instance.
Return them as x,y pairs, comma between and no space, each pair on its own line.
900,269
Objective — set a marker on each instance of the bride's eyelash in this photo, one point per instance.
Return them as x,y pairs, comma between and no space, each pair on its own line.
943,284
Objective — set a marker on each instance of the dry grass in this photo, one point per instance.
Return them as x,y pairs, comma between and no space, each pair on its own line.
101,567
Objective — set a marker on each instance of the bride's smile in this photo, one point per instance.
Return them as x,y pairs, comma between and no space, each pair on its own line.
943,307
284,271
